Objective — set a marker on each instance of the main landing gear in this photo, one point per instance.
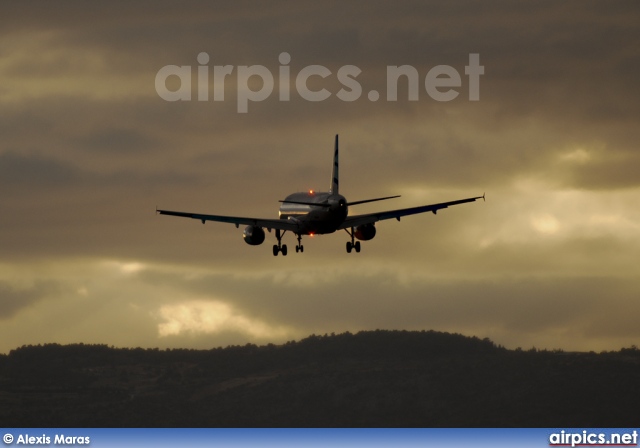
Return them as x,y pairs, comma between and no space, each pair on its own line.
280,247
277,248
353,244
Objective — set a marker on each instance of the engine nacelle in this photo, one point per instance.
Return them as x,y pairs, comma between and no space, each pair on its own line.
253,235
365,232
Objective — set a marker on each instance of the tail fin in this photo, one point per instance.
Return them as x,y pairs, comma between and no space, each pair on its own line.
334,188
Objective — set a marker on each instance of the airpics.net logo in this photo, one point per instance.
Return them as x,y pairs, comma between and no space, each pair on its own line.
440,82
592,438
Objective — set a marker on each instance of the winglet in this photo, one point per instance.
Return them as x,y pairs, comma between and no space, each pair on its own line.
483,199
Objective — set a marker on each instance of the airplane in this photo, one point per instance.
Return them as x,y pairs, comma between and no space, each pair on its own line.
316,213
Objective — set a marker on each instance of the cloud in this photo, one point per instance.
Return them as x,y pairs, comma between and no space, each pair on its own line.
212,317
166,305
119,140
516,310
29,171
13,299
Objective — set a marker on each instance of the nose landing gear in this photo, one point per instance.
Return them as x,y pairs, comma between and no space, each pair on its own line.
299,247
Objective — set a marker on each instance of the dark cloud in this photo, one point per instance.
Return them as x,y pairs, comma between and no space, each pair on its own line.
13,299
39,172
123,141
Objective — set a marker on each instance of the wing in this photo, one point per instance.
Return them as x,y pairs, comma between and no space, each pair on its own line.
370,218
281,224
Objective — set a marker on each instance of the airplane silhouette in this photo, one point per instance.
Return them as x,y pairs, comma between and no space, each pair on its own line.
317,213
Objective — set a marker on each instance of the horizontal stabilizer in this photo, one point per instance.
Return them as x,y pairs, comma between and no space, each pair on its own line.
321,204
372,200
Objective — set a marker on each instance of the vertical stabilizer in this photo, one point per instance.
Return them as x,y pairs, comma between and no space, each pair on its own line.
334,188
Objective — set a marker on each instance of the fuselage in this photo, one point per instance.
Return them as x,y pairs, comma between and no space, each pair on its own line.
325,217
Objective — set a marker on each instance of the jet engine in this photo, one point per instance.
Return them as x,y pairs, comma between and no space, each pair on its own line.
253,235
365,232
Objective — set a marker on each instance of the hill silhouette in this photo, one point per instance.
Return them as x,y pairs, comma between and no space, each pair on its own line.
369,379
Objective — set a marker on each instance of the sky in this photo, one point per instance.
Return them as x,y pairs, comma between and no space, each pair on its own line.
89,148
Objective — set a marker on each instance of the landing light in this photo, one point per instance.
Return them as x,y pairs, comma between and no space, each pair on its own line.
311,192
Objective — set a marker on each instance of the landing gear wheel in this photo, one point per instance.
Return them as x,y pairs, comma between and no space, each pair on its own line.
299,246
353,244
280,247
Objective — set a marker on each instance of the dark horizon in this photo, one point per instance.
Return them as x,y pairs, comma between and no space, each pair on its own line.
369,379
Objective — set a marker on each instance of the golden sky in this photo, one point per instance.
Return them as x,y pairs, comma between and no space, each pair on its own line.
88,149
